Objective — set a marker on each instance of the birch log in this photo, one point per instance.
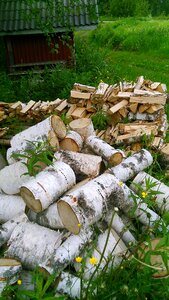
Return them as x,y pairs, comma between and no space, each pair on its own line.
32,244
10,206
100,147
48,218
70,285
12,177
84,165
7,228
132,165
162,199
83,126
143,116
40,131
87,204
39,192
114,251
10,270
2,162
67,252
72,142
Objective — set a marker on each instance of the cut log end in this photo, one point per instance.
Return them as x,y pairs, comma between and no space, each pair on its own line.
69,144
4,262
30,200
58,126
53,140
68,217
115,159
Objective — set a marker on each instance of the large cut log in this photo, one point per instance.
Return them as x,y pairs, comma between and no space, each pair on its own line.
39,192
161,199
10,206
12,177
100,147
67,252
84,165
7,228
87,204
114,251
69,284
72,142
2,162
132,165
40,131
48,218
83,126
32,244
10,270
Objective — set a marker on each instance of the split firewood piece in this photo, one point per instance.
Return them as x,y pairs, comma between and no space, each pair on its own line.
143,116
99,93
114,252
132,165
71,110
157,143
61,106
67,252
149,99
82,126
87,204
84,88
162,88
10,206
139,83
72,142
100,147
79,112
48,218
161,199
153,108
32,251
143,107
133,107
118,106
7,228
12,177
2,162
69,284
80,95
82,164
27,107
39,192
10,270
39,131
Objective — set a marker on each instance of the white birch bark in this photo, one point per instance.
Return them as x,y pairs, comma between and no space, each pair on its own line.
72,142
69,284
83,126
143,116
11,178
82,164
10,206
2,162
32,244
132,165
48,218
161,199
67,252
7,228
100,147
10,270
39,132
87,204
39,192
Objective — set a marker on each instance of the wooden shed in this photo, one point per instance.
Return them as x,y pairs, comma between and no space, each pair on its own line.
40,32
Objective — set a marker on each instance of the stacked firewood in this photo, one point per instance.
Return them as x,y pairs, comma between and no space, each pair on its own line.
132,110
48,220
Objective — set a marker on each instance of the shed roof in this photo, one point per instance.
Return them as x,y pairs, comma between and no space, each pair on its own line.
34,16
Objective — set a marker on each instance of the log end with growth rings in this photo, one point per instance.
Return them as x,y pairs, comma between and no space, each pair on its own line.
68,217
115,159
58,126
30,200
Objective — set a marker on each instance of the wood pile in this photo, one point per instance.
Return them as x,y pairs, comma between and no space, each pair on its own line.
80,201
133,110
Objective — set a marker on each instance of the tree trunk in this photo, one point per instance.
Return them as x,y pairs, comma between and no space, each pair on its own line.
87,204
7,228
48,218
72,142
84,165
161,200
100,147
10,206
32,244
39,192
83,126
67,252
132,165
10,270
12,177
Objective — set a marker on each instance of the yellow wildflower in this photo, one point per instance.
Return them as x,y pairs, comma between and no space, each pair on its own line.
120,183
78,259
19,281
79,225
144,194
93,260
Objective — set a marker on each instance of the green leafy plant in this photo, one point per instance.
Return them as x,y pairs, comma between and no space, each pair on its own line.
100,120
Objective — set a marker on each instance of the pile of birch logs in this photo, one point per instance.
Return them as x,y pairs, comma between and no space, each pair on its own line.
132,110
50,219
